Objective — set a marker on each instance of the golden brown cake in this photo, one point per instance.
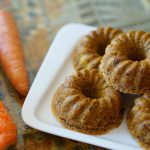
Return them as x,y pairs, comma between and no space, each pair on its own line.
86,104
126,63
90,49
139,121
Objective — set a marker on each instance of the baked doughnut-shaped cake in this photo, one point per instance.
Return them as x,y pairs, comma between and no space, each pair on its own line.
86,104
90,49
139,121
126,63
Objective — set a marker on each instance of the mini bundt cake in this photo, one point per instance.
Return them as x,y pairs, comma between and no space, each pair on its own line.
139,121
85,103
90,49
126,63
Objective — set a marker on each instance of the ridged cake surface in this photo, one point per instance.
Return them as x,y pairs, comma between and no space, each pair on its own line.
139,121
126,63
86,104
90,49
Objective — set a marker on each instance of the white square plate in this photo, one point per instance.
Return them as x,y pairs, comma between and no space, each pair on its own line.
57,65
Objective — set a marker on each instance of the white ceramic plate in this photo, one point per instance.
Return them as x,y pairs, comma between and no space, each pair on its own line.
57,65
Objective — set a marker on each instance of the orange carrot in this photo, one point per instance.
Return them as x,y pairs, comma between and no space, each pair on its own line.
8,130
11,53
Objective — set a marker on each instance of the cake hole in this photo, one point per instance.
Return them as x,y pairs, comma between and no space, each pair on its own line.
90,91
101,49
136,54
